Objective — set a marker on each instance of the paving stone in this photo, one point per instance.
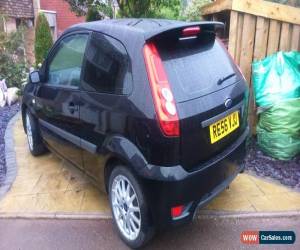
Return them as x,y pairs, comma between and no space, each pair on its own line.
47,184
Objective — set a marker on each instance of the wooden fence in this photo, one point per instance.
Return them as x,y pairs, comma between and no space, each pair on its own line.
256,29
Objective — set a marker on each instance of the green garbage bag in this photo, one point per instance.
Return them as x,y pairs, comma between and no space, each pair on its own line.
278,130
276,86
278,145
276,78
283,117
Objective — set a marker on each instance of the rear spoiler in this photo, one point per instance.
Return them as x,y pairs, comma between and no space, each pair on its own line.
175,31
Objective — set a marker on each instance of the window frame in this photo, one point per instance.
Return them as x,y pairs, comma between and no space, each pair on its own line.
54,51
85,63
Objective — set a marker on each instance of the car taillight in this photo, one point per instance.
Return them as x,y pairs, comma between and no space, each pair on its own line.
177,211
162,95
191,31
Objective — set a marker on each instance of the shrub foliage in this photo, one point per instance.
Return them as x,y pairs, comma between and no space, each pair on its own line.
12,61
193,10
43,39
100,9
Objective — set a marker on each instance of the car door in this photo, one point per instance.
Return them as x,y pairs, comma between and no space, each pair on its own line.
58,97
106,81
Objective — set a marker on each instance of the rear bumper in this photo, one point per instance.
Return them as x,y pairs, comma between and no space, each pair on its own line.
167,187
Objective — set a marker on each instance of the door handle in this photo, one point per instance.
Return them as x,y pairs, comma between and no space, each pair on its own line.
73,108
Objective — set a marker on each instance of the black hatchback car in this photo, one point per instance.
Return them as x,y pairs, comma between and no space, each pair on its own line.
155,111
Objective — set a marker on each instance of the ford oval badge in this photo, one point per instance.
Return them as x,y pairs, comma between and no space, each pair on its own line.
228,103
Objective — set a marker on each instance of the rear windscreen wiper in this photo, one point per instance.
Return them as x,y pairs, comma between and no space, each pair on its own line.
221,80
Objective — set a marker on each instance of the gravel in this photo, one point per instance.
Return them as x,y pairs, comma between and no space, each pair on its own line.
6,114
285,172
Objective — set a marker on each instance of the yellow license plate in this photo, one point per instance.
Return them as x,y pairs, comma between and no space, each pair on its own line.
223,127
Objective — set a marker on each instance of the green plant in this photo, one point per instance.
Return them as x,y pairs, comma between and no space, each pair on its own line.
169,9
43,39
99,9
12,61
92,15
92,9
135,8
193,10
97,12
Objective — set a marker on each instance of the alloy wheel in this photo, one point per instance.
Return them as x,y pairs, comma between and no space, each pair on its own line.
29,132
125,206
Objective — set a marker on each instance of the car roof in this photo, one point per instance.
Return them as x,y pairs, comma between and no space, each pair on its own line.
146,27
142,24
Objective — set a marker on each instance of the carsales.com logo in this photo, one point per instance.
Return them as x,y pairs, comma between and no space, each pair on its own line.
268,237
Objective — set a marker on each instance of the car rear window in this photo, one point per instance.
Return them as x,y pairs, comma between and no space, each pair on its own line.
194,67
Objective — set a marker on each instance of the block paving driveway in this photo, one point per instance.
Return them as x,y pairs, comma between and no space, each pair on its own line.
48,185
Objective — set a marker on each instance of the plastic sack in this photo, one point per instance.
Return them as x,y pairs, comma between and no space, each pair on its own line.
12,95
276,78
2,98
3,89
3,86
283,117
278,145
278,130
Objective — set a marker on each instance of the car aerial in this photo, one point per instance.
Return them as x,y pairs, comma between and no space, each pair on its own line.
154,111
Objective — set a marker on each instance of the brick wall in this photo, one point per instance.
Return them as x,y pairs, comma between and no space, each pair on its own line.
64,16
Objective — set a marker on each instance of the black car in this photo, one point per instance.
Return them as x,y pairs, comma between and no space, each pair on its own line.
155,111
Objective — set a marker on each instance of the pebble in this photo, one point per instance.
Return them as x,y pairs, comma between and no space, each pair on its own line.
6,113
287,172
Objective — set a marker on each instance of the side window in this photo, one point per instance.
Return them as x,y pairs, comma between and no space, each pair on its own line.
106,66
65,66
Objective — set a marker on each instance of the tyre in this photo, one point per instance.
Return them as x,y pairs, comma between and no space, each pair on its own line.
129,208
34,139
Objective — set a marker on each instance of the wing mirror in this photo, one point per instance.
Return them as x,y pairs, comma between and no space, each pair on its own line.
34,77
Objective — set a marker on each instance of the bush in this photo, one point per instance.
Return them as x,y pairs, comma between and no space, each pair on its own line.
43,39
14,73
12,61
170,9
193,10
92,15
98,12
